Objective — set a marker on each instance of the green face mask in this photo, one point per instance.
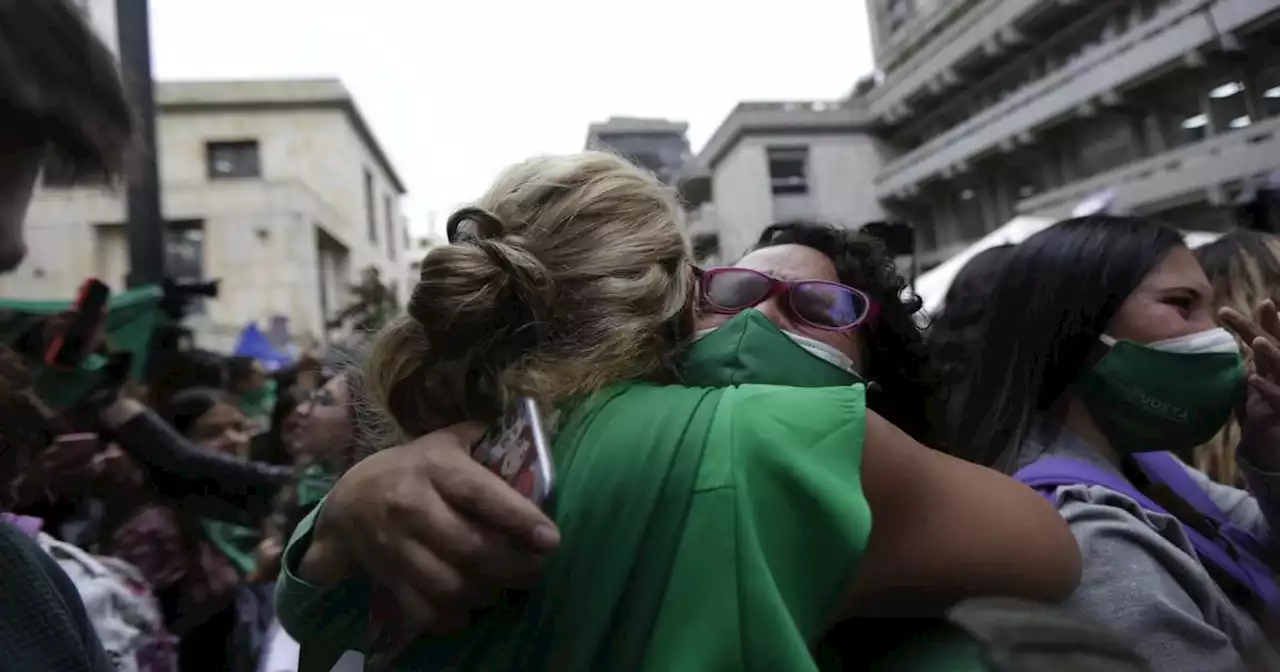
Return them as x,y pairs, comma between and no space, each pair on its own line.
1170,395
751,349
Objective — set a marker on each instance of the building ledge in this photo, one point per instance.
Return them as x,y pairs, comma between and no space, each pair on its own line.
1210,163
1141,49
278,94
757,117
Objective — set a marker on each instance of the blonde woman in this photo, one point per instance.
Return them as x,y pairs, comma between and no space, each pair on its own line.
710,521
1244,269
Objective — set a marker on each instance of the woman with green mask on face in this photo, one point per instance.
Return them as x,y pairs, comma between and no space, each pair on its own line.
255,390
1097,359
715,503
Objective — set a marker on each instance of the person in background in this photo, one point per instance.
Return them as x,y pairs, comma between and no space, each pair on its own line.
1244,268
67,104
325,439
1099,356
193,565
275,446
254,389
952,333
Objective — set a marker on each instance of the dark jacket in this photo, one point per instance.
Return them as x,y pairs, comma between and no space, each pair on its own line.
210,484
43,624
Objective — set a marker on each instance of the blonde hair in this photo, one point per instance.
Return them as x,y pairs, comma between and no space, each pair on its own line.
570,274
1244,269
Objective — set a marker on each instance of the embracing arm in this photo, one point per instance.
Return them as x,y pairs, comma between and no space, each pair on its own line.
233,489
945,529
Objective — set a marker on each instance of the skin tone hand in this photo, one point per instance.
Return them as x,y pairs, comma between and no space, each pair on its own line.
1260,427
431,526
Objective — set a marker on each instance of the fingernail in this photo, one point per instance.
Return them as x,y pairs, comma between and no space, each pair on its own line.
546,537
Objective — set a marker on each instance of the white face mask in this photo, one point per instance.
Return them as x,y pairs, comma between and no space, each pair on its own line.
812,346
1215,340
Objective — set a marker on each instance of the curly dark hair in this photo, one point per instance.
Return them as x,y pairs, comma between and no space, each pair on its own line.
899,363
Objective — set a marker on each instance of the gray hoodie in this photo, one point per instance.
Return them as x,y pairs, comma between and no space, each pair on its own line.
1142,577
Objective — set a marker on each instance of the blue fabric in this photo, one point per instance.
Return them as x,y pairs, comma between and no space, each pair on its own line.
253,343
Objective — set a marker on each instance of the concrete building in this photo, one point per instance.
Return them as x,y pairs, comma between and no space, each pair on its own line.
657,144
1002,107
278,188
775,161
981,110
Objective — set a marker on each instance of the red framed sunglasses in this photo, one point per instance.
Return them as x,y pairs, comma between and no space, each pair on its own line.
828,306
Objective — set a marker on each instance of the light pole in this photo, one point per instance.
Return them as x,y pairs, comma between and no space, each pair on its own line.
144,225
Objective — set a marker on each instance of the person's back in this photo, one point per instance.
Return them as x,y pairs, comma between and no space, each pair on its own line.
678,506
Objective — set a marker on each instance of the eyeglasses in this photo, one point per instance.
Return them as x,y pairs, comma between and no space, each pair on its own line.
829,306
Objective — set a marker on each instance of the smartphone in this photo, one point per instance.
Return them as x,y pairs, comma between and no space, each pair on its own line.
73,343
519,450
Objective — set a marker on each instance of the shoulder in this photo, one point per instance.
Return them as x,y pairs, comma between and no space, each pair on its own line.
1142,578
42,616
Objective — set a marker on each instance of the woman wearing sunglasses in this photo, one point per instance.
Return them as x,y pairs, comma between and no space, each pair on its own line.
714,504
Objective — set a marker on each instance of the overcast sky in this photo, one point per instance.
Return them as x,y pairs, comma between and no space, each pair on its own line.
456,90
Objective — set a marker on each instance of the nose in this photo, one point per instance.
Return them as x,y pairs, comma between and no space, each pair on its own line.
772,309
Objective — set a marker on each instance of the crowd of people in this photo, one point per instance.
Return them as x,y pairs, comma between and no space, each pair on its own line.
775,464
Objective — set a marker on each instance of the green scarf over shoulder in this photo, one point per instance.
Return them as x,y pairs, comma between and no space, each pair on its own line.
674,503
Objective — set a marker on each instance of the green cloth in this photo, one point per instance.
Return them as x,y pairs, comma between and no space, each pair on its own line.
738,510
676,506
236,542
131,318
259,403
704,528
316,482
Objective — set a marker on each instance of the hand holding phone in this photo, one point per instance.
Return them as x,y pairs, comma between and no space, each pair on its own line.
73,339
519,451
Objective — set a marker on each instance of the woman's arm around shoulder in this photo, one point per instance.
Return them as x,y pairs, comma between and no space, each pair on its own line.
946,529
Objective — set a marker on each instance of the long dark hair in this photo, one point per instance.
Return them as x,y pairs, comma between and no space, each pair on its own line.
183,409
899,364
1057,294
953,334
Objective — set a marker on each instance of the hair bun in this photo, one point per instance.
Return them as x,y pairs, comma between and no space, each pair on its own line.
484,290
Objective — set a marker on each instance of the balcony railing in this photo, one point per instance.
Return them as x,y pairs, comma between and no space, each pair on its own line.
1164,37
1239,154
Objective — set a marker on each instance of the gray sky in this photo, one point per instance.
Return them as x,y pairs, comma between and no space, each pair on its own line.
457,90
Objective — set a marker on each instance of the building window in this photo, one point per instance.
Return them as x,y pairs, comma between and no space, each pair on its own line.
706,247
184,255
370,208
1269,86
1228,106
390,214
789,170
898,13
233,159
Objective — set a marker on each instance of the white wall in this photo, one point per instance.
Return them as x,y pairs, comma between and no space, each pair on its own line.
259,233
842,168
